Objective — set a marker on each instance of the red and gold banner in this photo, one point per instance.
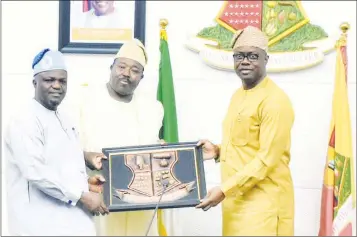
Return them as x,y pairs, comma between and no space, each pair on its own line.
338,194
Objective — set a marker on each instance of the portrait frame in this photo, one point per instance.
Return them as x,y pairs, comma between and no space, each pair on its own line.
64,38
129,189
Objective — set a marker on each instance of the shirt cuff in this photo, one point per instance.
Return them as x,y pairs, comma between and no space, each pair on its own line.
227,187
72,199
230,188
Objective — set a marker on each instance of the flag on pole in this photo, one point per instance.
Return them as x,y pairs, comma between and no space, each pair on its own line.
166,92
166,95
338,193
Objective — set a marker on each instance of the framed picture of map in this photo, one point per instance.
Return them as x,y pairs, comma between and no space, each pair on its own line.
99,27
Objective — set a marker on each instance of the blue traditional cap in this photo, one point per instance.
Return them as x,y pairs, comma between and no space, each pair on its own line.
48,60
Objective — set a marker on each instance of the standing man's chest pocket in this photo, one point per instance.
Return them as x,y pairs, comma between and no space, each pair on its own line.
240,130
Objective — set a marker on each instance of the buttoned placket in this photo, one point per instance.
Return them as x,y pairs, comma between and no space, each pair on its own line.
238,118
63,127
233,120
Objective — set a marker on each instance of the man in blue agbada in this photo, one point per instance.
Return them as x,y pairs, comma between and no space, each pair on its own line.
47,183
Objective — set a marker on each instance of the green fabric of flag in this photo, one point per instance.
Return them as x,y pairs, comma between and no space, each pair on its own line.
166,93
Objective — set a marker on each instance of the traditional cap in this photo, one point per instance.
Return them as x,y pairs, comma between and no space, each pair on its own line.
134,50
250,36
48,60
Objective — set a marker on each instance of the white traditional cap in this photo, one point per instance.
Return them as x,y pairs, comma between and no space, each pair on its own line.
134,50
48,60
250,36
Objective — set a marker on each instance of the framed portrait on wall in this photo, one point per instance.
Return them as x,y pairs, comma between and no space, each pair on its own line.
99,27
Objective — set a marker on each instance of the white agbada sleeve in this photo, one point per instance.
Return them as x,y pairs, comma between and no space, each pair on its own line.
27,144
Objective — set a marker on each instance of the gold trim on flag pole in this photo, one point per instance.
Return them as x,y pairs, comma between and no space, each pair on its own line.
342,41
163,24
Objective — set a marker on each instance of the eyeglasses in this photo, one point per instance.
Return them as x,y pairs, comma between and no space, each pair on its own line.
252,57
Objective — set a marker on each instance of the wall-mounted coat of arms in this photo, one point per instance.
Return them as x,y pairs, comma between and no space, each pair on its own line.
294,43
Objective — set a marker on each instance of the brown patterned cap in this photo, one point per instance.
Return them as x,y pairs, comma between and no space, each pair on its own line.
250,36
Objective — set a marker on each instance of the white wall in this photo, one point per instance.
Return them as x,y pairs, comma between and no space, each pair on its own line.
202,93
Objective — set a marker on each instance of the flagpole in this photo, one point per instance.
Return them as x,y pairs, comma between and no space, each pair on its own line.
160,215
344,27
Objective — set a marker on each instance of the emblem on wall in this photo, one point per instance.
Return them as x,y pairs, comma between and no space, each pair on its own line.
294,43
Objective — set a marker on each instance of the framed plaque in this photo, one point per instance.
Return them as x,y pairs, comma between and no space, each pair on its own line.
144,177
99,27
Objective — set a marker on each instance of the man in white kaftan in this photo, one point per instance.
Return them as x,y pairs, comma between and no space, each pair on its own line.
113,115
47,183
109,123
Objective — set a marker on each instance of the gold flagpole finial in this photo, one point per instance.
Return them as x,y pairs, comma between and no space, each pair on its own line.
163,23
345,27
